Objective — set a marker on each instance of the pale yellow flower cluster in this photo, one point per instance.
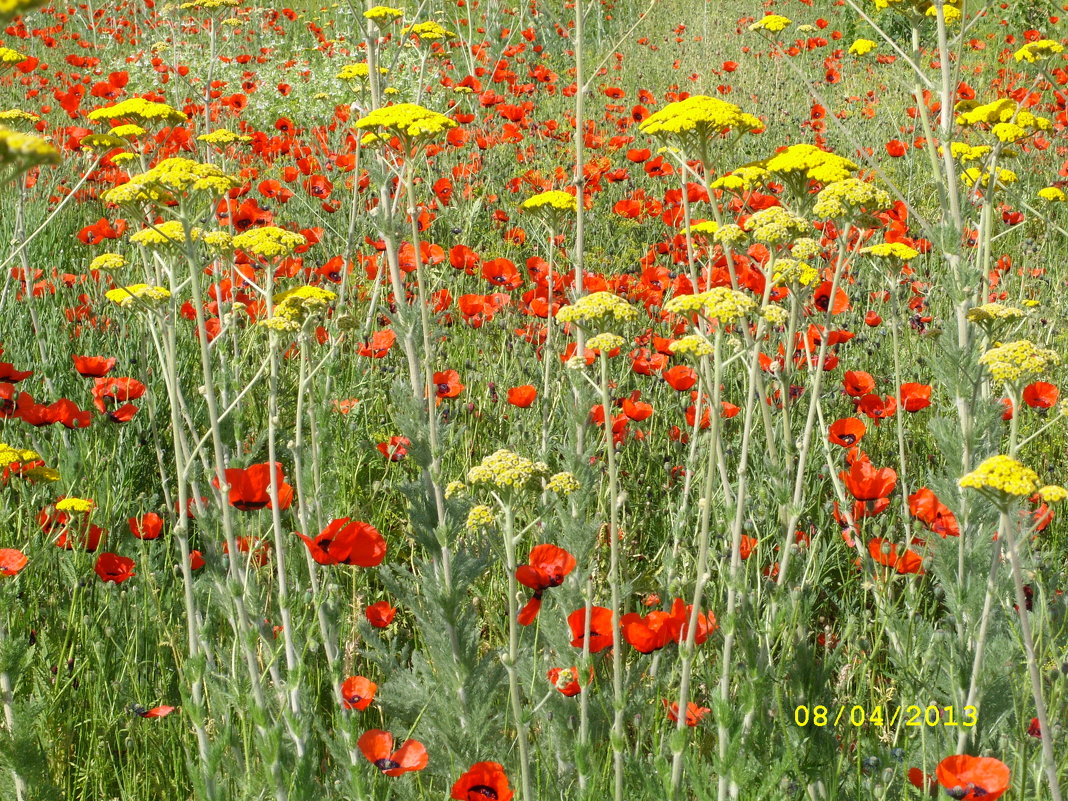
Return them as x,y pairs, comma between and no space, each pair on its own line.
991,312
701,115
1002,474
842,199
554,199
891,250
504,469
268,242
407,119
1017,361
775,225
597,307
563,483
1036,51
107,262
792,271
169,232
170,178
138,108
141,294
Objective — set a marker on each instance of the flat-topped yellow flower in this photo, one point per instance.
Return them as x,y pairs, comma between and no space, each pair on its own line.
69,504
16,116
809,161
845,198
563,483
409,120
1052,194
352,72
427,31
480,516
775,224
973,175
383,14
108,262
552,200
140,109
597,307
743,178
1002,474
268,242
990,312
168,232
719,303
700,115
170,178
9,56
10,455
504,469
23,151
605,343
692,345
861,47
771,22
127,296
897,251
1012,362
792,271
1035,51
222,136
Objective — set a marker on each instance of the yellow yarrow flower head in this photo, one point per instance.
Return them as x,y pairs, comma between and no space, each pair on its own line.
221,137
108,262
776,315
847,198
9,56
775,225
772,22
891,251
359,72
171,178
1052,493
454,488
861,47
268,242
139,109
793,272
138,296
407,120
383,15
41,473
742,179
16,116
563,483
1002,476
808,161
693,345
605,343
78,505
1017,361
427,31
170,232
993,312
12,8
707,227
1036,51
480,516
965,153
128,131
295,306
553,199
720,303
20,152
1052,194
697,119
973,175
805,248
597,307
504,470
16,456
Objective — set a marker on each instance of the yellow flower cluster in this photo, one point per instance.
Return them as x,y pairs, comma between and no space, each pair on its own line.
9,56
1052,194
563,483
700,115
18,116
140,109
841,199
1002,474
1034,51
361,71
210,4
480,516
9,8
80,505
427,31
990,312
776,315
692,344
170,232
891,250
805,248
1019,360
128,131
506,470
554,199
861,47
721,303
792,271
16,456
407,119
1001,110
742,179
108,261
965,153
454,488
268,242
222,136
294,306
924,7
125,297
596,307
775,224
605,343
1052,493
708,227
23,151
771,22
730,234
171,177
382,14
973,175
809,161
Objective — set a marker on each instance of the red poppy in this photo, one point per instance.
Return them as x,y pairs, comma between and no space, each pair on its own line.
566,680
858,383
357,692
915,396
112,567
657,629
110,391
154,712
886,553
872,319
502,273
483,781
924,505
377,746
447,384
395,449
1040,395
93,366
380,614
196,560
147,527
847,432
379,344
970,778
680,377
878,408
822,299
895,148
546,567
601,634
868,483
12,561
347,542
694,713
523,396
250,487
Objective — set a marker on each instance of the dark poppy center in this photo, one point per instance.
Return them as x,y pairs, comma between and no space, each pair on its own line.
385,764
484,791
443,388
848,439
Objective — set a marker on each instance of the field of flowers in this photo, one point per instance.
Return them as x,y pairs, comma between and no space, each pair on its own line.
534,400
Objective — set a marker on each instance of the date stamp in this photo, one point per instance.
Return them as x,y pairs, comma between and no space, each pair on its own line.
858,715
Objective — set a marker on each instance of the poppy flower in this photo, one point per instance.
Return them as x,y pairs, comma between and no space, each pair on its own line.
657,629
93,366
447,384
377,746
357,692
878,408
347,542
147,527
196,560
858,383
925,506
886,553
680,377
694,713
846,432
380,614
895,148
522,397
823,302
12,561
250,487
395,449
872,319
154,712
112,567
915,397
379,344
1040,395
868,483
566,680
970,778
483,781
601,634
546,567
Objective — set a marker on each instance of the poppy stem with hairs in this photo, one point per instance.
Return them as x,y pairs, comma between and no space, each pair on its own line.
615,581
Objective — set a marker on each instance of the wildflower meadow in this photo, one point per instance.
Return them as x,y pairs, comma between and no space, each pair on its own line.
533,400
